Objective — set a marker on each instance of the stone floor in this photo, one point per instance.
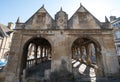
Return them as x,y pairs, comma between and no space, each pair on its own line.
85,73
39,70
82,73
81,70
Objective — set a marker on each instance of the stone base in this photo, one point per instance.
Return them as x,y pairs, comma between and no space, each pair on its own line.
2,76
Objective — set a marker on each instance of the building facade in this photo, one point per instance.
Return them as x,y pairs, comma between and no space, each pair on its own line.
115,22
47,48
5,39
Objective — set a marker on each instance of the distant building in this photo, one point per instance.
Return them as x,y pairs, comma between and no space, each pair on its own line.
115,22
5,39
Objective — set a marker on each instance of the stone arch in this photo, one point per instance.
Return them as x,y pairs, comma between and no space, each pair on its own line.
86,52
33,37
89,37
37,52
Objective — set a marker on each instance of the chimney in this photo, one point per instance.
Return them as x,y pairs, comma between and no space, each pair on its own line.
112,18
10,25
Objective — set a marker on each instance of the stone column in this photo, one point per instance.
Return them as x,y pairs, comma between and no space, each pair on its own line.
99,63
41,53
45,50
61,58
48,53
81,54
88,53
73,53
35,54
78,53
99,69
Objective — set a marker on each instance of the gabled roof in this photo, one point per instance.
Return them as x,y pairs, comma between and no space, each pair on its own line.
4,31
42,9
83,9
91,21
106,20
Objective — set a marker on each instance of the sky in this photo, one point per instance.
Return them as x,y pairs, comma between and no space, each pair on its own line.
10,10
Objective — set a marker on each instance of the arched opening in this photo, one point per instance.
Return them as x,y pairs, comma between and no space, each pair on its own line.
86,58
36,58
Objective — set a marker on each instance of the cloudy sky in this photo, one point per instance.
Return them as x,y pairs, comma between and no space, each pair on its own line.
10,10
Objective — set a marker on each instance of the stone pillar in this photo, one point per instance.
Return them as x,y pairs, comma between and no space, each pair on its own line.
45,53
99,69
88,54
111,66
81,53
61,58
35,54
49,53
109,56
78,53
41,53
73,53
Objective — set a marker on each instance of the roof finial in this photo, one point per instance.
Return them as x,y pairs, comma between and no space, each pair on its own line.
106,19
43,6
80,4
18,20
61,9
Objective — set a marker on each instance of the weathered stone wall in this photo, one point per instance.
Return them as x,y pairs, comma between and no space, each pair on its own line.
109,55
13,63
61,41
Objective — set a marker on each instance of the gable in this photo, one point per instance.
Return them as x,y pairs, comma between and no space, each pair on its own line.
83,19
40,20
4,31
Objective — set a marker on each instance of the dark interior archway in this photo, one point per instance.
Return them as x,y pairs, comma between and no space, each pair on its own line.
86,58
36,58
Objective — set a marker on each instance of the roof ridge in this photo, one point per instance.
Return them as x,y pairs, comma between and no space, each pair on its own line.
4,29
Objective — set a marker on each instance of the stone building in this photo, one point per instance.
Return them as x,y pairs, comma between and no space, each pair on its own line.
5,39
45,48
